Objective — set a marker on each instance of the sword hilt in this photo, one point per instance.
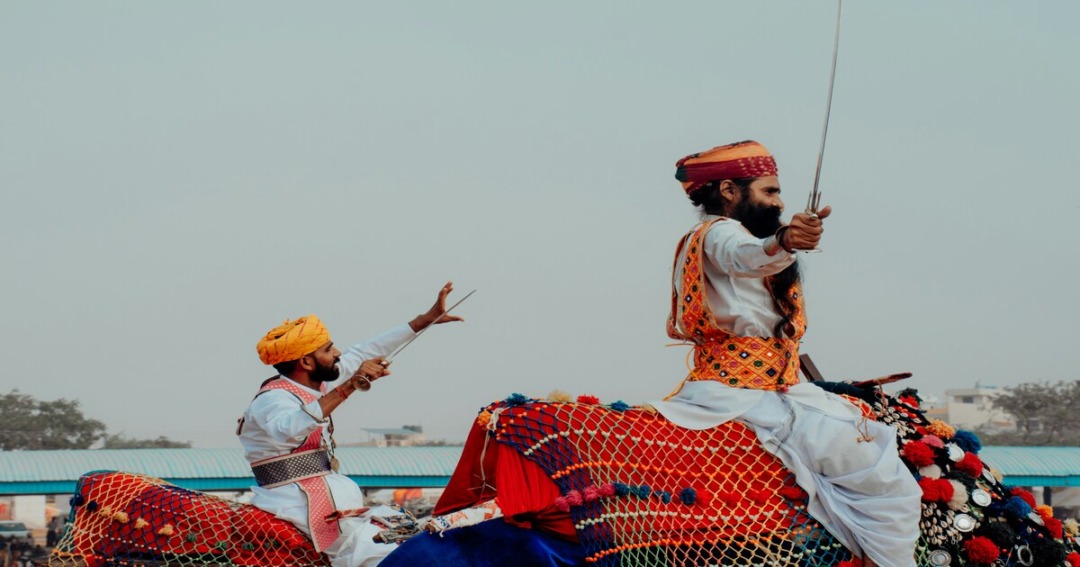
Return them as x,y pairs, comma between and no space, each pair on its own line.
811,211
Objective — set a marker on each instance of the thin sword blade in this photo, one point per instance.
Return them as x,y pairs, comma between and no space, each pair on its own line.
417,335
814,201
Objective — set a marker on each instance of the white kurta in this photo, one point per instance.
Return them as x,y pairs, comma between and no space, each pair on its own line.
736,265
860,491
276,422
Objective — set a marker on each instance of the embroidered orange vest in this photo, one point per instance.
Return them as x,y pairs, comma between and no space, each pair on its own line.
762,363
320,501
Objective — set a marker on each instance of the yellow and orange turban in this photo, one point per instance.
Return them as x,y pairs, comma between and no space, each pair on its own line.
733,161
292,340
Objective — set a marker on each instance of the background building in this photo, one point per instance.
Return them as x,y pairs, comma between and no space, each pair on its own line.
972,408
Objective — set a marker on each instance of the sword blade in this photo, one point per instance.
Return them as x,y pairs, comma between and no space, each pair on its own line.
390,358
814,201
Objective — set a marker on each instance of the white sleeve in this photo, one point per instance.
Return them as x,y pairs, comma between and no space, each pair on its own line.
736,252
381,345
282,417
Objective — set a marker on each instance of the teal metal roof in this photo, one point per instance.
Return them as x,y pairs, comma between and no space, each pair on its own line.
55,472
29,466
1035,466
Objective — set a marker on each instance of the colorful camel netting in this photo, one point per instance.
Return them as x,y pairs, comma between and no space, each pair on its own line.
641,491
122,519
634,489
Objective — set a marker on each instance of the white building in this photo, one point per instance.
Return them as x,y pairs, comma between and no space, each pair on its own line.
973,408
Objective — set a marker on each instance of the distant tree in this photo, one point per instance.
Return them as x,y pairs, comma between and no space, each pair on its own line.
1045,414
29,424
118,441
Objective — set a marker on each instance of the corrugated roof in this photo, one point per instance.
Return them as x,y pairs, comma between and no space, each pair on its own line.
38,466
398,461
1031,464
1033,461
395,431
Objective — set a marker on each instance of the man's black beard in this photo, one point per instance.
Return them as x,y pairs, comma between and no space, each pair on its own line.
761,221
325,373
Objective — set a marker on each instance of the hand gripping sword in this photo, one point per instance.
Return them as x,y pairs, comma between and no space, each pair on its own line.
814,201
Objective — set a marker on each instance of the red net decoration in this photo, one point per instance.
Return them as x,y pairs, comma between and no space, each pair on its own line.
642,491
132,520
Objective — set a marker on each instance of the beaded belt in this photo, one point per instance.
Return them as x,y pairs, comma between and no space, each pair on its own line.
278,471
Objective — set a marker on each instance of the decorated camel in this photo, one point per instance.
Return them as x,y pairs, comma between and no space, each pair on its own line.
564,481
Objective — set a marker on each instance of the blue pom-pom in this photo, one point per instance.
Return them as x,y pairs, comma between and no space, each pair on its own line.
1016,507
967,441
77,500
92,505
620,489
643,491
620,405
516,399
688,496
665,496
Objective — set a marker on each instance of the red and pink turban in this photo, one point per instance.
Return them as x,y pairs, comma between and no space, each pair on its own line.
733,161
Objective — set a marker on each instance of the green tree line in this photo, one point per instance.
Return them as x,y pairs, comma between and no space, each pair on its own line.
29,424
1046,414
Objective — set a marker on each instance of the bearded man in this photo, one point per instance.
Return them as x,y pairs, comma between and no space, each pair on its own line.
737,297
287,432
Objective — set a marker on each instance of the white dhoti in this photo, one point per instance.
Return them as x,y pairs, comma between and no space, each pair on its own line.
354,547
859,490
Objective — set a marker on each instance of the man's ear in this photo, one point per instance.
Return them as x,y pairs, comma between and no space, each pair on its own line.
306,363
729,190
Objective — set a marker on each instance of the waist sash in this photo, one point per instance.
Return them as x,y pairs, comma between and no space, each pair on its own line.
294,467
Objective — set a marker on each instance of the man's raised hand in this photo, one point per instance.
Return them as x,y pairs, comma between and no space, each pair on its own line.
437,314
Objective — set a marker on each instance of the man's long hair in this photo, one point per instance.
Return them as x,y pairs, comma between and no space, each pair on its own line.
709,200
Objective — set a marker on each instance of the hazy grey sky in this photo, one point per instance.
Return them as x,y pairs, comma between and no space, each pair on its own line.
177,178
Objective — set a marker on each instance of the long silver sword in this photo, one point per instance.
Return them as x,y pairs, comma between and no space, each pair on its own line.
814,201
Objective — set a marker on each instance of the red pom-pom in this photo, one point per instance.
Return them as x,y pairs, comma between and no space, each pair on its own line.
929,489
936,489
561,504
607,490
1027,496
792,493
910,400
1073,559
1054,526
856,562
591,493
946,489
574,498
970,464
981,550
587,399
918,454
